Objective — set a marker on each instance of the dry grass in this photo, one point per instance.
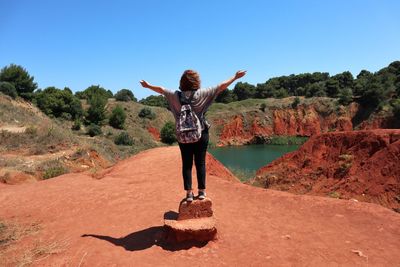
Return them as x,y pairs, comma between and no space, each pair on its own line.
11,232
39,252
12,255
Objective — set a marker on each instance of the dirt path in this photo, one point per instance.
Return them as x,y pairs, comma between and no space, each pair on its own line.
117,220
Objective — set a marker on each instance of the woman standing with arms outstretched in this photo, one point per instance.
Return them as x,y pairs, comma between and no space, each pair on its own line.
199,101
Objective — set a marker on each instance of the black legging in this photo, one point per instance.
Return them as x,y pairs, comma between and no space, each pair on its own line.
198,150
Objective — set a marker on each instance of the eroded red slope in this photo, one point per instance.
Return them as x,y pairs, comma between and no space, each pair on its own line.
117,221
364,165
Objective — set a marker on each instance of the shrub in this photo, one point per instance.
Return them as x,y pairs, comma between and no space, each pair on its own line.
31,130
8,89
295,102
76,126
123,139
117,118
94,130
59,103
20,79
125,95
263,107
52,169
53,172
396,109
147,113
167,133
96,113
334,194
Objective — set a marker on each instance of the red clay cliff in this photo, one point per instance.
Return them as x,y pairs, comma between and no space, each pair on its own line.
364,165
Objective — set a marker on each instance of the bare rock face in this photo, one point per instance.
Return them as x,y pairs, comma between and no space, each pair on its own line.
195,222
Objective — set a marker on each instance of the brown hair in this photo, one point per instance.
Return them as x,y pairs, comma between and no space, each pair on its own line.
190,81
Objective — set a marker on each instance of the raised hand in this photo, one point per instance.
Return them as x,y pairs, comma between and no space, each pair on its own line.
144,84
239,74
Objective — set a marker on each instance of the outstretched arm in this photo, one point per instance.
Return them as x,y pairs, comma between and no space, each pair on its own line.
157,89
239,74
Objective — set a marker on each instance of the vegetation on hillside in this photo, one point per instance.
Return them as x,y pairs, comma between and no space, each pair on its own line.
20,79
167,133
125,95
94,90
117,118
158,101
59,103
374,90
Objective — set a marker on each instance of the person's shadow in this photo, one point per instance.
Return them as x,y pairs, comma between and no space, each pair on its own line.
146,238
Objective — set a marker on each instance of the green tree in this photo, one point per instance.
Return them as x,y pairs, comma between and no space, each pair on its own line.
332,87
96,112
125,95
94,90
361,82
373,94
244,90
20,78
264,90
345,96
345,79
226,96
117,118
167,133
157,101
8,89
315,89
280,93
58,103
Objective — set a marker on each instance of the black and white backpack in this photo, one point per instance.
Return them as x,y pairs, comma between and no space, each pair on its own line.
188,125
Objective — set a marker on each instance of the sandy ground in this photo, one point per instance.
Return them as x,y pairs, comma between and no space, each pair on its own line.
117,221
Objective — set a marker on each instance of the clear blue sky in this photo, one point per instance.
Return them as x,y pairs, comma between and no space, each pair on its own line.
116,43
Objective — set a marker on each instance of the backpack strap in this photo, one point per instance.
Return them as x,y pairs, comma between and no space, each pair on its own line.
182,99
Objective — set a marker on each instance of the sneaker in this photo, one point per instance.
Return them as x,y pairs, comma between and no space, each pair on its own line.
202,195
189,197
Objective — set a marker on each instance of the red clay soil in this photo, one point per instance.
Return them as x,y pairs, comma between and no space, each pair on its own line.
117,221
364,165
154,132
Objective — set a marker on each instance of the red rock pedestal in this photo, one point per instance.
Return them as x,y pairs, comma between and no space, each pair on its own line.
195,222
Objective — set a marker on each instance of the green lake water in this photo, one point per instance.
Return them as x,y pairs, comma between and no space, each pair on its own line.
244,161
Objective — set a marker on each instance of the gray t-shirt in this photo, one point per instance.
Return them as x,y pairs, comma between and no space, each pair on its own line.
202,99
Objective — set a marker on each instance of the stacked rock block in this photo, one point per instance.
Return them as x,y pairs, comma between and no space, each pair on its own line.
195,222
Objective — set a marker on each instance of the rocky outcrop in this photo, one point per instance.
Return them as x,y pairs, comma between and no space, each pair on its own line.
195,222
356,164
